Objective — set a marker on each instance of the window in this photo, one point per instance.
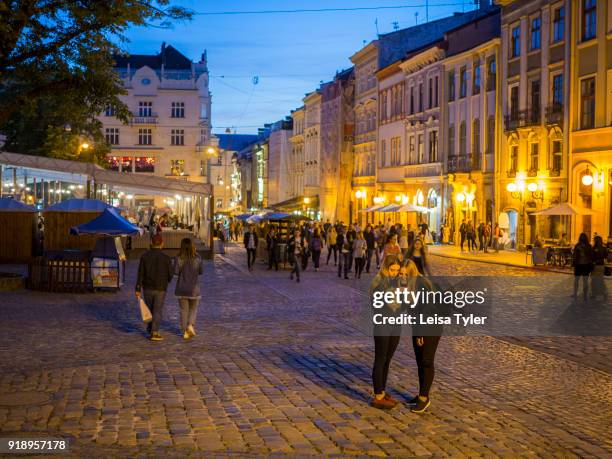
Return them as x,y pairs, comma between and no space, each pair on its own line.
383,153
536,33
462,82
126,164
177,167
535,100
462,138
178,110
557,156
220,160
476,80
558,24
436,92
145,108
557,92
144,164
219,203
514,102
396,151
430,93
144,137
534,154
433,146
451,140
589,19
383,108
421,149
421,97
411,100
113,163
476,136
177,137
491,73
515,42
110,110
203,110
112,136
587,103
513,158
491,134
411,150
451,85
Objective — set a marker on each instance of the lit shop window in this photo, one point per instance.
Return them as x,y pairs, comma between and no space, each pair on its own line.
113,163
144,164
177,167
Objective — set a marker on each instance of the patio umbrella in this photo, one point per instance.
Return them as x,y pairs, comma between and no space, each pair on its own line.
109,223
411,208
243,217
374,208
565,208
390,208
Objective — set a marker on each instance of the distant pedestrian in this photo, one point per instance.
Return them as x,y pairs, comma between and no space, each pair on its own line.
600,257
463,233
344,254
315,246
272,247
250,244
294,254
350,236
188,268
496,237
331,244
370,238
155,271
583,264
359,252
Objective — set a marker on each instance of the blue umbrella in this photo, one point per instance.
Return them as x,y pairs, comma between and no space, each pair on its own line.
109,223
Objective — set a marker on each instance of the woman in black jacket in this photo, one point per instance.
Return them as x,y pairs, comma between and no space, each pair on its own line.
583,264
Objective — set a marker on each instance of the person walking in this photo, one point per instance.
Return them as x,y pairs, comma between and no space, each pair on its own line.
600,257
351,235
403,242
392,247
471,236
417,254
331,244
188,266
272,246
386,337
250,244
496,236
360,247
155,271
463,233
294,254
344,254
583,264
315,246
486,233
370,238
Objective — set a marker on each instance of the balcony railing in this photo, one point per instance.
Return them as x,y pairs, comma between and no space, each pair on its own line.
554,114
464,163
143,120
521,119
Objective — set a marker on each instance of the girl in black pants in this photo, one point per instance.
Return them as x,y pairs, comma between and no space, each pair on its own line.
386,337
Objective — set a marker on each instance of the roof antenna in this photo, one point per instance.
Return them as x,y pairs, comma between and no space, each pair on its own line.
395,25
416,17
376,24
426,10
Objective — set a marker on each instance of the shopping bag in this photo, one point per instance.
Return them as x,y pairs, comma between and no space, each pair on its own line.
144,311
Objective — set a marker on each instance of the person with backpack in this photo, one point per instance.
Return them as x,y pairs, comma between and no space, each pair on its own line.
360,247
583,264
188,268
316,245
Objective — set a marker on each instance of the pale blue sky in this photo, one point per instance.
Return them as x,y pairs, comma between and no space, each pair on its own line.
290,53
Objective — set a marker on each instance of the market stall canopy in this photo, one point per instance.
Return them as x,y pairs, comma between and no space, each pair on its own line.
243,216
80,205
109,223
373,208
411,208
276,216
11,205
390,208
565,208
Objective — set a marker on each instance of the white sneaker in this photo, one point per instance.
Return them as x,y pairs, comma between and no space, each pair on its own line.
186,335
191,330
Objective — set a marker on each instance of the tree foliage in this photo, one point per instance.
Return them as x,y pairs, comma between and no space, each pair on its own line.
56,69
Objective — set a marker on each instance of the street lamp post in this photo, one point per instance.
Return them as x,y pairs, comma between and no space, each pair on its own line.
517,191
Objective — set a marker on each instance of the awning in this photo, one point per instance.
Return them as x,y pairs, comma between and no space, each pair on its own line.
79,205
12,205
390,208
373,208
411,208
565,208
296,203
243,216
109,223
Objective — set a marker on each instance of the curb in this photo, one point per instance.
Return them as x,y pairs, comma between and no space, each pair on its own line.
502,263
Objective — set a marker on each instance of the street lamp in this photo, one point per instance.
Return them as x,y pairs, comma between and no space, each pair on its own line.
306,200
587,178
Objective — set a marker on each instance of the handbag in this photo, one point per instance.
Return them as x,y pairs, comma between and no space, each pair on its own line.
145,312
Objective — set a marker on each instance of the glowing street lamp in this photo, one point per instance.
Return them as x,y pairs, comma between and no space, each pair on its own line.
587,178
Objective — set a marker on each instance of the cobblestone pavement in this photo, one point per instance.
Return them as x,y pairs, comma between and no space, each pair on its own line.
280,368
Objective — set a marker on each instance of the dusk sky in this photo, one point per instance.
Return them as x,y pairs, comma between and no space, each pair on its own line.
290,53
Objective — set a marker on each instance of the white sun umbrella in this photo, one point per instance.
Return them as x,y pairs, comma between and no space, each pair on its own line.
565,208
390,208
411,208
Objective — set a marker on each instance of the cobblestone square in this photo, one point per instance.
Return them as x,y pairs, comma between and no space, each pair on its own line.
280,368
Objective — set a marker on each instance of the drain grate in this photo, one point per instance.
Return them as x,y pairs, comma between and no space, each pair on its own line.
24,398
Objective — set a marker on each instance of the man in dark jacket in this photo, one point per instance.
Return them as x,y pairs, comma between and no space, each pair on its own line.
350,237
272,246
463,232
370,239
250,244
155,272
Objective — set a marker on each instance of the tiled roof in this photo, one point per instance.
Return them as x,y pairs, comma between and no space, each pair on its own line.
235,142
169,56
395,45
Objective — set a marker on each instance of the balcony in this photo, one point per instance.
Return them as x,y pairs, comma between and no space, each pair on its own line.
144,120
522,119
423,170
511,173
554,115
464,163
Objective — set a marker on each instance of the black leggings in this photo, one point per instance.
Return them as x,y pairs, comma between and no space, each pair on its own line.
332,249
425,355
384,348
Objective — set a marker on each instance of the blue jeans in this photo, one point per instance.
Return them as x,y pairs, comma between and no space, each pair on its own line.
154,299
